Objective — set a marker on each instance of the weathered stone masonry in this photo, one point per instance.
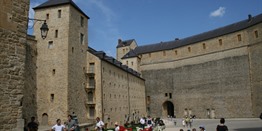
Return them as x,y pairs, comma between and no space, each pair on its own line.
13,26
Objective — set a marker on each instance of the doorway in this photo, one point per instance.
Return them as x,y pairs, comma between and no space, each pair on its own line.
168,109
44,119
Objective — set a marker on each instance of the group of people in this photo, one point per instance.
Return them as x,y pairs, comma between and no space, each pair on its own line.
187,122
149,122
220,127
70,125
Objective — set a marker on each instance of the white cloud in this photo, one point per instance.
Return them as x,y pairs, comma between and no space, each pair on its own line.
109,13
219,12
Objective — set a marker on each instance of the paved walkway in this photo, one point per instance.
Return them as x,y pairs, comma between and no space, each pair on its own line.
241,124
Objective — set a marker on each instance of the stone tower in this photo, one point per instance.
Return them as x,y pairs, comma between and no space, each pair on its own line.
61,61
125,48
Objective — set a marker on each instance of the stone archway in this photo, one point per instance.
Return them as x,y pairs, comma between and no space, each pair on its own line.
44,119
168,109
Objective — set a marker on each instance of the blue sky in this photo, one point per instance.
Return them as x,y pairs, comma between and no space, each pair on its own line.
153,21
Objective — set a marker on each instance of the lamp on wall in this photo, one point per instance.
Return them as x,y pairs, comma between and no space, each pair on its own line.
44,28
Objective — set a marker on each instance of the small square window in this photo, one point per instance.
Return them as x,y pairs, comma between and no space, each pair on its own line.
47,16
59,13
170,95
82,20
189,49
239,37
52,97
81,38
53,71
256,34
220,42
50,44
56,33
204,46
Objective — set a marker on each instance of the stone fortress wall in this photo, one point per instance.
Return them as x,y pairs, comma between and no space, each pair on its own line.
13,26
208,78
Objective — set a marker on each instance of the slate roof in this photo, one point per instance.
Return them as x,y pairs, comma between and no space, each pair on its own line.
196,38
102,55
125,43
51,3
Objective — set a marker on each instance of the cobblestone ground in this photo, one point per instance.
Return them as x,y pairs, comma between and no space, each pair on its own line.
241,124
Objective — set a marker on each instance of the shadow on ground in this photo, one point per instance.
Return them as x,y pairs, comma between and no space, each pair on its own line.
249,129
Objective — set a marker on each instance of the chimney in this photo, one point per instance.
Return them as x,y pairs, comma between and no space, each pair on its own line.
119,41
249,17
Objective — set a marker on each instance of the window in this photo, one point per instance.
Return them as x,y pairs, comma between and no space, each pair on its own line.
47,16
91,112
149,54
82,20
164,53
50,44
91,67
59,13
256,34
148,99
52,97
56,33
53,71
220,42
189,49
239,37
166,94
176,52
90,96
91,82
204,45
73,49
126,62
132,63
81,38
123,51
170,95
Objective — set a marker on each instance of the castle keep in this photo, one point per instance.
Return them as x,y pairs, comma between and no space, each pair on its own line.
211,75
74,78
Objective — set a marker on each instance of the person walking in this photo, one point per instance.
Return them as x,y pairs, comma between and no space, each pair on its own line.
202,128
222,126
142,122
99,124
117,128
58,126
71,124
32,126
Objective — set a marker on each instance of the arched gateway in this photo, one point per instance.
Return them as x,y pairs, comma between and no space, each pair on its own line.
168,109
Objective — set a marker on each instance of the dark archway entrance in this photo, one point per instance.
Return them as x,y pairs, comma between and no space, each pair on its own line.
168,109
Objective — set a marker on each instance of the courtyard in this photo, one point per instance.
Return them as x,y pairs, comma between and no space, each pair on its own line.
238,124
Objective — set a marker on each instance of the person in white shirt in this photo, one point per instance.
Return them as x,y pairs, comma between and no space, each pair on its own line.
117,127
58,126
142,122
99,125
